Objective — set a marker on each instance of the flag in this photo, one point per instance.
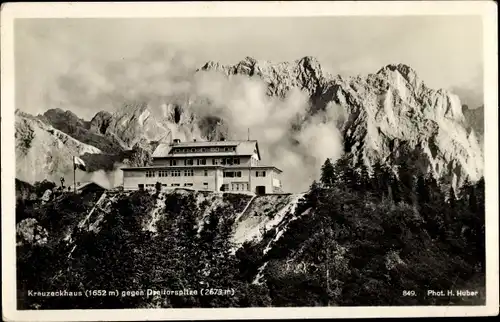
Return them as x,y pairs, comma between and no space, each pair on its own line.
78,163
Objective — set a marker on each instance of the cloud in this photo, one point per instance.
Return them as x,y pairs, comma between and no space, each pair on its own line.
288,137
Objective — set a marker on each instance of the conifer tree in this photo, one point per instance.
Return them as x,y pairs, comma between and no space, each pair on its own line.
346,172
377,178
405,182
473,200
362,177
480,196
328,176
386,180
422,190
340,168
314,192
451,198
432,188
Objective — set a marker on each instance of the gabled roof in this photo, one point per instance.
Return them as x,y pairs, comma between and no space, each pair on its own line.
86,184
242,148
194,144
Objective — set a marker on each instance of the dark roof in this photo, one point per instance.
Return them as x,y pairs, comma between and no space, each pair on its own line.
201,154
87,184
242,148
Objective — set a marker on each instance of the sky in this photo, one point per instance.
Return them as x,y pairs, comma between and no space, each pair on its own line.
445,51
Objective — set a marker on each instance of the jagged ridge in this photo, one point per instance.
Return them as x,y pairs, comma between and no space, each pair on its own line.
387,110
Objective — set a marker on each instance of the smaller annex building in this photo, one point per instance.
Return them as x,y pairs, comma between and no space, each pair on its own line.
206,165
84,187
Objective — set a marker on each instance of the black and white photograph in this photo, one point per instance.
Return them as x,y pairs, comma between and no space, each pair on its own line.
246,160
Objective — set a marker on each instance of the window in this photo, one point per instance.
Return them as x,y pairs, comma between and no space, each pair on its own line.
205,173
188,162
236,161
232,174
188,185
205,183
201,162
188,173
150,174
229,161
173,163
215,161
175,185
163,173
260,173
193,150
176,173
202,149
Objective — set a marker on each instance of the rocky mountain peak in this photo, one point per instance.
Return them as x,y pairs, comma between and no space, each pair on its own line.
304,73
100,122
213,66
395,73
403,69
59,116
311,63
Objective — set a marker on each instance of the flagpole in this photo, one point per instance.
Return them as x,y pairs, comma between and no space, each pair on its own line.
74,175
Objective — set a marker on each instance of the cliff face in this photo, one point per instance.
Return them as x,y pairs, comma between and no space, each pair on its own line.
389,115
43,152
475,122
81,130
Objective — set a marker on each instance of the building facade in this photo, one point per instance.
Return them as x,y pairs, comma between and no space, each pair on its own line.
206,165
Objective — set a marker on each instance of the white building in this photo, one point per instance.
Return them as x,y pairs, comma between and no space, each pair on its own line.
209,165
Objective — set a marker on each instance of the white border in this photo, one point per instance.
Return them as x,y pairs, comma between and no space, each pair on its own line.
487,9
